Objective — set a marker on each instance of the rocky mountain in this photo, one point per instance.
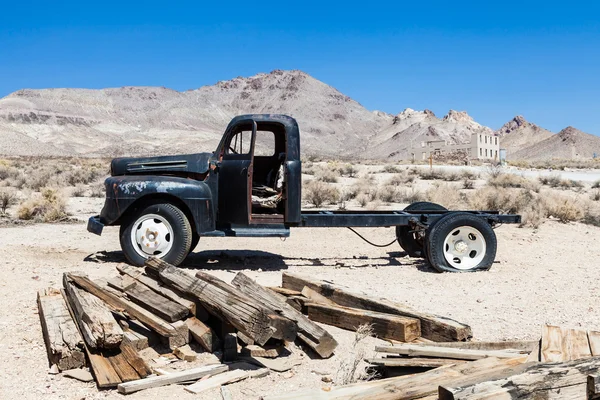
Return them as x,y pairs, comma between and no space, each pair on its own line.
156,120
570,143
518,134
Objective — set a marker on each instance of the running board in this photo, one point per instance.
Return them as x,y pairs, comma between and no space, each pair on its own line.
254,231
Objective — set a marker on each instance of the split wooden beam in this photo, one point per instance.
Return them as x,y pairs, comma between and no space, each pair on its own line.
386,326
526,346
156,303
412,362
252,321
203,334
433,327
417,386
99,328
64,344
138,275
150,320
310,333
283,328
412,350
175,377
565,381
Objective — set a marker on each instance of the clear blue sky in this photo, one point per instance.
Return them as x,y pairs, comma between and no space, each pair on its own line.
494,59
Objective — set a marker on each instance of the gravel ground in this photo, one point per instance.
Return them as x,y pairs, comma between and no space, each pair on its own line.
544,276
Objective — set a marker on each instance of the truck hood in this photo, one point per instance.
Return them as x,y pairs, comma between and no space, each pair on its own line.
179,165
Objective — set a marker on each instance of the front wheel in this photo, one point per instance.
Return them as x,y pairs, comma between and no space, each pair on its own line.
461,242
159,230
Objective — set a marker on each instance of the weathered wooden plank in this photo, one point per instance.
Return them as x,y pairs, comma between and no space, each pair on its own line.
310,333
135,340
562,344
593,387
217,380
434,327
99,328
134,359
155,323
181,337
552,342
279,364
156,303
64,344
104,373
565,381
534,356
125,371
526,346
284,291
412,362
594,340
284,328
444,352
415,386
576,344
121,283
157,286
254,350
175,377
224,305
317,297
203,334
385,326
185,353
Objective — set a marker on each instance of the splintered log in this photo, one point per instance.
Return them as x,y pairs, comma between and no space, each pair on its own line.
155,323
417,386
310,333
138,275
284,328
565,381
385,326
157,303
64,344
203,334
412,362
433,327
99,328
412,350
252,321
175,377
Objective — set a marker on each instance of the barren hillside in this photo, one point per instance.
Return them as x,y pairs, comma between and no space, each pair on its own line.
146,120
570,143
518,134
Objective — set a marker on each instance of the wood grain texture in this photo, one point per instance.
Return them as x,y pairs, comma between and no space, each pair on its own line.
386,326
564,381
217,380
156,303
253,322
412,362
594,340
99,328
64,344
203,334
155,323
563,344
310,333
433,327
445,352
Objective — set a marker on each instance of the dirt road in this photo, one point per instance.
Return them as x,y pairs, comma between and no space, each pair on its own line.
549,275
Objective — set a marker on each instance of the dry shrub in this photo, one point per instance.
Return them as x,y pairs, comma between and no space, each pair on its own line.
401,179
78,191
494,170
7,199
356,369
514,181
388,194
505,200
319,193
591,216
374,205
596,185
430,174
565,209
390,169
362,200
595,196
556,181
50,206
466,174
97,191
329,175
410,196
348,170
468,184
446,195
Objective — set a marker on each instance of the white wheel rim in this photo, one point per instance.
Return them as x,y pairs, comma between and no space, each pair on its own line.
464,247
152,235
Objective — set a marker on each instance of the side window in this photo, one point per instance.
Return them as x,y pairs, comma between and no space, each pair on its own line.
265,144
240,143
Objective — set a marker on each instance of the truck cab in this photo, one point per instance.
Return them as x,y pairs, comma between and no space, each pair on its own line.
249,186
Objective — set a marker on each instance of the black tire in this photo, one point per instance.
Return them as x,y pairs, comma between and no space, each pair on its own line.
411,242
180,240
195,240
471,259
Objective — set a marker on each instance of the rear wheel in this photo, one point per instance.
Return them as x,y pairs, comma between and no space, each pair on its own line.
411,240
159,230
461,242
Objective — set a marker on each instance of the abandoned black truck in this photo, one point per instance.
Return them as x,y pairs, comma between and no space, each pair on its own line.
251,187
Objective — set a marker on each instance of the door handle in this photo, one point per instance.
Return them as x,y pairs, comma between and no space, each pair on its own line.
244,171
